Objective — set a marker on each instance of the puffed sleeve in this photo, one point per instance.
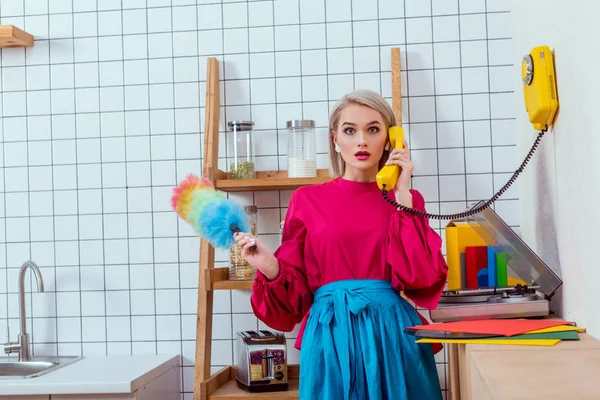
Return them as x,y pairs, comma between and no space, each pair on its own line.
414,253
283,302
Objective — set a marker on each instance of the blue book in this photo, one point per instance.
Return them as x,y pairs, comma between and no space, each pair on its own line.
492,272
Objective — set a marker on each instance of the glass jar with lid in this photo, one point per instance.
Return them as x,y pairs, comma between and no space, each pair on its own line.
302,153
239,268
240,149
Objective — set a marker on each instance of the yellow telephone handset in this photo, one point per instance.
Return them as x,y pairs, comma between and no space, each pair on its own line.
539,86
389,174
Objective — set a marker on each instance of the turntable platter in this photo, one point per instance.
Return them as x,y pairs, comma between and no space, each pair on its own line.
512,298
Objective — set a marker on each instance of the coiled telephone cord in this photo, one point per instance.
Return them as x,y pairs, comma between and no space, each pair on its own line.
480,208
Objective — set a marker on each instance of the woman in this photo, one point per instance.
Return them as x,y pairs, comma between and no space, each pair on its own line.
345,255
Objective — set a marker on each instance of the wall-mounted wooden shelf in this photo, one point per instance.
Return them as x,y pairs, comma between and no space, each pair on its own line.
218,279
233,285
268,180
222,386
11,36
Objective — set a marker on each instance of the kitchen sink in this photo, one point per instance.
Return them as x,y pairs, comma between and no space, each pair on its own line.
11,368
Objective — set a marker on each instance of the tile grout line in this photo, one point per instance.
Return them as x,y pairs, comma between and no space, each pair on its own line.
438,223
314,75
126,177
77,198
487,54
228,2
101,192
151,179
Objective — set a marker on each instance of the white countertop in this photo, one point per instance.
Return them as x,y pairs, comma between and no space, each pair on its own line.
94,374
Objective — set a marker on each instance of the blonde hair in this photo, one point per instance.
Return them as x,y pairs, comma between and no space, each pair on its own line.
362,97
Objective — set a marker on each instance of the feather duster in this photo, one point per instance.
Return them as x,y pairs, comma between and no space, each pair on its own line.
211,215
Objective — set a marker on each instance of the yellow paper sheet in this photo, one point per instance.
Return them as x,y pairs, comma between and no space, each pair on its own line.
531,342
560,328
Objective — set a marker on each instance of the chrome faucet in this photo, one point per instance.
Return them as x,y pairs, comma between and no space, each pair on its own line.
22,345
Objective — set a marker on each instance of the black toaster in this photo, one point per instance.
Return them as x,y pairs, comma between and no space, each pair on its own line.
261,361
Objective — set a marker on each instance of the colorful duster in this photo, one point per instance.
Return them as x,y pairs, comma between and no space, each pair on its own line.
211,215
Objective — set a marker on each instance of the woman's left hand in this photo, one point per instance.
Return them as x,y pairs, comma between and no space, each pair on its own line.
401,157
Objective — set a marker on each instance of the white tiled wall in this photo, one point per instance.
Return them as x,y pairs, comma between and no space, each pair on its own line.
104,116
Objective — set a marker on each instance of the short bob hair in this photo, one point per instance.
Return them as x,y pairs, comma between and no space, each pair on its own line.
366,98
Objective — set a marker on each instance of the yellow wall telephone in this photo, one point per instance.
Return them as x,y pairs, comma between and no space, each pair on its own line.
389,174
539,90
541,103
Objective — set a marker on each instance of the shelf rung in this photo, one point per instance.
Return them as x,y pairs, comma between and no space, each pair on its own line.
222,386
218,279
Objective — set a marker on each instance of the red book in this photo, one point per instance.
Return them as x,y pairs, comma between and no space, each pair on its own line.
476,260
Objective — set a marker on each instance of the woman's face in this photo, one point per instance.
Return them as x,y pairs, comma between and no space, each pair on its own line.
361,136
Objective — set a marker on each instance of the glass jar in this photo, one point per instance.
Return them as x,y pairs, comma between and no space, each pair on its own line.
302,153
239,268
240,148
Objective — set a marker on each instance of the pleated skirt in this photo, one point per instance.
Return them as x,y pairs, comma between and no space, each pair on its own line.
354,346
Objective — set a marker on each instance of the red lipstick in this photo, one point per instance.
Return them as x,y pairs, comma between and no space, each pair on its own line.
362,155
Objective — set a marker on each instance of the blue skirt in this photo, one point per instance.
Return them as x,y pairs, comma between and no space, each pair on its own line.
354,346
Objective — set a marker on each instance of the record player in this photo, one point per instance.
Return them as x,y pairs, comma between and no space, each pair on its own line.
528,298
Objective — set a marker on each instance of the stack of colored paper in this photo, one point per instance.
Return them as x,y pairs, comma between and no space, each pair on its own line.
499,331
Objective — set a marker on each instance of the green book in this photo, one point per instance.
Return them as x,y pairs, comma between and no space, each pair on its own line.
501,263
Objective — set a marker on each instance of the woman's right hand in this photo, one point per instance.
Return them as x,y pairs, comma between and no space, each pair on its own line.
262,258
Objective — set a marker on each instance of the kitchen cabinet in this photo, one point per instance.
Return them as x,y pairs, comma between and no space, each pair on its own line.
37,397
143,377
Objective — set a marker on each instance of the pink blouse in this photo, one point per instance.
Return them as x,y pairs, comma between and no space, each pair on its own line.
344,229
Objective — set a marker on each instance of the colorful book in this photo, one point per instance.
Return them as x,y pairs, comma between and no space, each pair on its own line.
492,274
458,236
501,270
463,271
482,278
476,259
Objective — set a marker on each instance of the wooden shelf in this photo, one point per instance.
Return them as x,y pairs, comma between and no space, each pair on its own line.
218,279
11,36
233,285
222,386
268,180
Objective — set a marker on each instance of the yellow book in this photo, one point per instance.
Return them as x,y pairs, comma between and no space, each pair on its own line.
458,236
531,342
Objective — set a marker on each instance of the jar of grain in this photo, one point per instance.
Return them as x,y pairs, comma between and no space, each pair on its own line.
239,268
240,149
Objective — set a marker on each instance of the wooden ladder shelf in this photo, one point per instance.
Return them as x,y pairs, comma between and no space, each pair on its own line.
222,384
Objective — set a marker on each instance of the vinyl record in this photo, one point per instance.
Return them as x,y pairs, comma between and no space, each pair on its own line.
447,335
464,299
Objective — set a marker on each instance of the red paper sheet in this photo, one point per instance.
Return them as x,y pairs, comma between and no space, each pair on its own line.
500,327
